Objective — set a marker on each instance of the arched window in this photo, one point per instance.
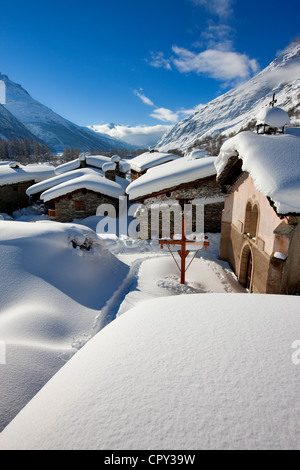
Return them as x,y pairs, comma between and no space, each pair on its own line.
254,222
251,220
248,218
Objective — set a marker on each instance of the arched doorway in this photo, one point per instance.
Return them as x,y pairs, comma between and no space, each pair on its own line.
246,268
249,271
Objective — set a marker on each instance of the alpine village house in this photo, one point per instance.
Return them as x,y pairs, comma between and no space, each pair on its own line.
260,234
81,185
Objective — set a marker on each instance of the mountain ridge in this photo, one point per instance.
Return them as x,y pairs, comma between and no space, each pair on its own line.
236,109
51,128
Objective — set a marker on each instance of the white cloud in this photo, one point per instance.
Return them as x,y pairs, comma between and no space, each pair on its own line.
143,98
217,64
221,8
158,60
142,136
165,115
217,36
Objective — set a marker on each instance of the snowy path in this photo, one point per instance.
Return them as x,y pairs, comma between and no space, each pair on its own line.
111,309
153,274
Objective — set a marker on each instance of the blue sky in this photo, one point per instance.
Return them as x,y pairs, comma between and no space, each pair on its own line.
139,62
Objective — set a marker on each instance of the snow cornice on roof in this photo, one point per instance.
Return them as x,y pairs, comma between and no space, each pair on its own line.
272,161
172,175
150,159
14,173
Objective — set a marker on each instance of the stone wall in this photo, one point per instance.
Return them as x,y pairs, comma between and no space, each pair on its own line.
291,266
13,197
66,210
207,195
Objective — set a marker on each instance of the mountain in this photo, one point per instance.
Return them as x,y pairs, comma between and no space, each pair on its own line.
239,107
11,128
51,128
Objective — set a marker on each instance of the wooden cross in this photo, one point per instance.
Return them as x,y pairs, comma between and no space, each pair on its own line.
183,252
273,102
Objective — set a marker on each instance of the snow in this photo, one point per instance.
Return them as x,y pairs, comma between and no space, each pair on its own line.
61,178
150,159
172,174
124,166
13,173
197,153
231,112
96,160
273,163
51,294
31,118
187,372
115,158
69,166
83,178
109,166
105,349
91,182
274,117
279,255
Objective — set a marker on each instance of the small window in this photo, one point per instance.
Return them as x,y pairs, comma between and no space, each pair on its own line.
52,213
79,205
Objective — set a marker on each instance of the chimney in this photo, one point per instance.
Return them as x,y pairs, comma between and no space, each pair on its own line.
109,169
122,167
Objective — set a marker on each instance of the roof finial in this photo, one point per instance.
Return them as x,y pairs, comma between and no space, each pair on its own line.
273,102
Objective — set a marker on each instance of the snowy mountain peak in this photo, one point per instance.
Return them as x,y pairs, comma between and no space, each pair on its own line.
238,108
44,124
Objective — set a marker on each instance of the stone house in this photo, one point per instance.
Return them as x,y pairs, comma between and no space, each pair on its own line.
15,179
260,235
77,193
159,190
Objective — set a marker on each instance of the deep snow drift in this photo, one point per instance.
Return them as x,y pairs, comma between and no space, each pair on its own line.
52,289
210,371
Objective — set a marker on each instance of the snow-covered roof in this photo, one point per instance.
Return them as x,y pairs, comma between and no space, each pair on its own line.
91,160
273,162
96,160
197,153
88,178
13,173
171,174
56,180
150,159
181,372
273,117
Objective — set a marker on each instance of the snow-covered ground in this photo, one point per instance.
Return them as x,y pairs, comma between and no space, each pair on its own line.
157,364
51,294
211,371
